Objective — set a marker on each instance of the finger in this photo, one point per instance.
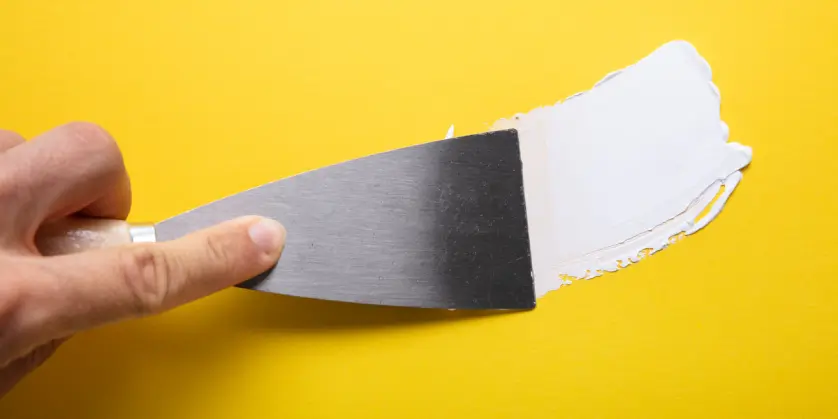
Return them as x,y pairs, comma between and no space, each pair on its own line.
73,168
9,139
93,288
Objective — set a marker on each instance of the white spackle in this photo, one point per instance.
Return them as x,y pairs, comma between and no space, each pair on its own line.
450,133
624,167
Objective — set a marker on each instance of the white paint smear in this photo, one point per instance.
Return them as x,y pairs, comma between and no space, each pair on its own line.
625,166
450,133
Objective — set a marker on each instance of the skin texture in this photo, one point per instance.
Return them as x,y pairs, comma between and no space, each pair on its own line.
77,169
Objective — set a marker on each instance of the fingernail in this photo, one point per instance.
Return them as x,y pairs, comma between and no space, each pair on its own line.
267,234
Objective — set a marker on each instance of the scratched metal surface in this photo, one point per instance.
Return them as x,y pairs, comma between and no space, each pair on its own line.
438,225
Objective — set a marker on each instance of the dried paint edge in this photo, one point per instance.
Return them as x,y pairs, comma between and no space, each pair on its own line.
650,242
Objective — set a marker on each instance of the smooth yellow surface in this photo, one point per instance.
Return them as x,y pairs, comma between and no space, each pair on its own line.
208,98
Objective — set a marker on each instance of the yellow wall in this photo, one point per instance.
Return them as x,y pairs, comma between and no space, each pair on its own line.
736,321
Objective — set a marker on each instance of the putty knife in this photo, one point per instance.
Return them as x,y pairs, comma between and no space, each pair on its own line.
436,225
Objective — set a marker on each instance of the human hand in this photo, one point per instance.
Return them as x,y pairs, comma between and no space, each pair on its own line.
77,169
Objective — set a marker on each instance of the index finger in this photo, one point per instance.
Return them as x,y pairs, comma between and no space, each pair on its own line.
73,292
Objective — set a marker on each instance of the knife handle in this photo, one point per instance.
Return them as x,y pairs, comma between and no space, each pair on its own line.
79,234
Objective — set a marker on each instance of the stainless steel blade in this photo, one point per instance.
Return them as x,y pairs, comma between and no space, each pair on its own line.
437,225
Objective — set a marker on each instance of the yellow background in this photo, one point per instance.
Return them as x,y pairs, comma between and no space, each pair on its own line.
207,98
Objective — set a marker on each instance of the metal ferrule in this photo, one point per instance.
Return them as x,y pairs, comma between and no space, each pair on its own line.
143,233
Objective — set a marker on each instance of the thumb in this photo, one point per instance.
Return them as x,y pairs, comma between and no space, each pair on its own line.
85,290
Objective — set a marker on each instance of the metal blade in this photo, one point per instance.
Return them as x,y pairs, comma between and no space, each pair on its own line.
437,225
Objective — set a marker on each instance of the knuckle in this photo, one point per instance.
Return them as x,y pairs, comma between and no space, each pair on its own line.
216,251
147,274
